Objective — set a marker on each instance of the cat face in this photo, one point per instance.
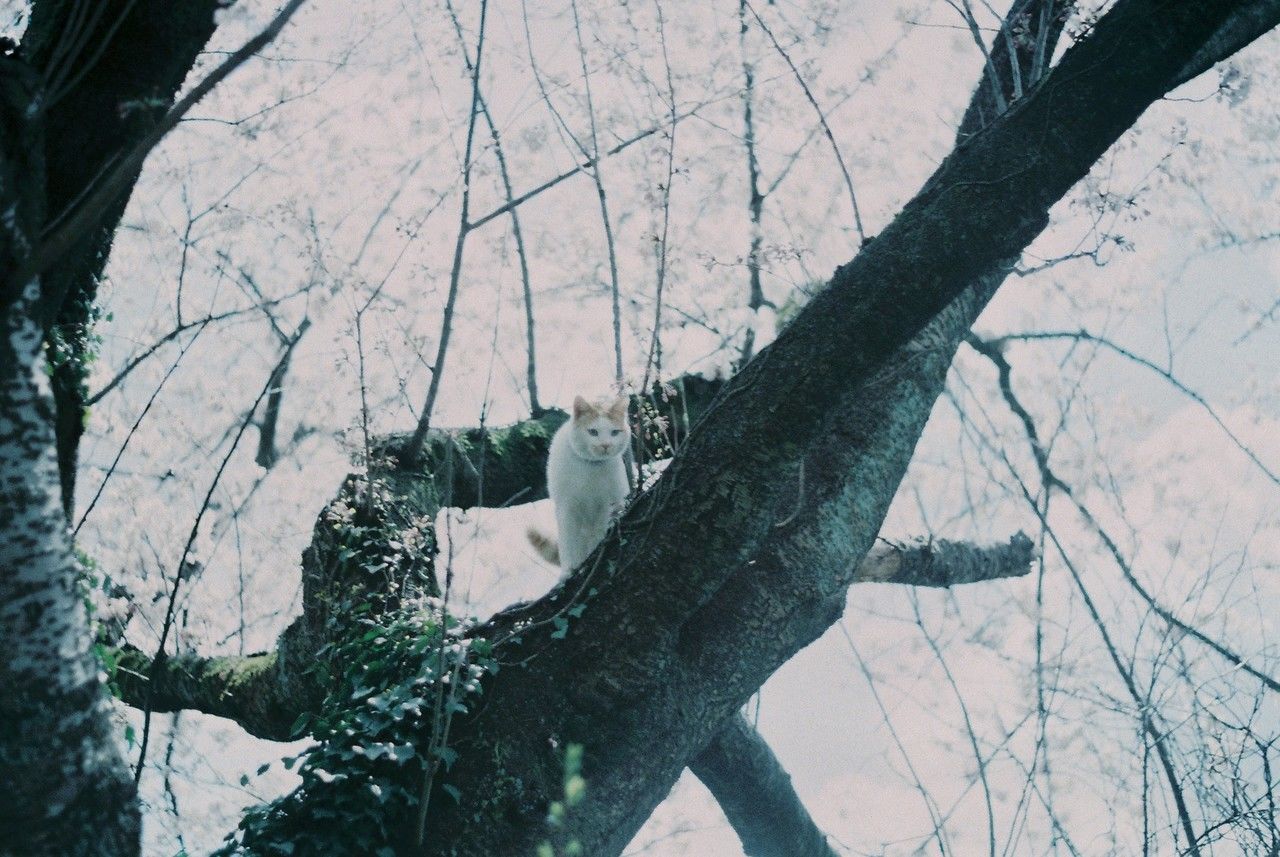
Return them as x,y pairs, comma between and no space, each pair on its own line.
600,432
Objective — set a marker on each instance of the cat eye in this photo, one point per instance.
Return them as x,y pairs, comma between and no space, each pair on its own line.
593,432
616,432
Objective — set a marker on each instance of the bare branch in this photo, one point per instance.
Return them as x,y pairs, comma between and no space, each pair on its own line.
822,119
70,225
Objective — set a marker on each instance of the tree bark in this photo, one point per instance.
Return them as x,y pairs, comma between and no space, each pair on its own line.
85,89
266,697
67,791
672,638
755,793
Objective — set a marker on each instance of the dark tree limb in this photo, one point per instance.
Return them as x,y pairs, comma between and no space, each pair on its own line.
247,689
945,563
258,693
266,697
756,795
109,96
739,768
716,560
267,454
506,466
1248,22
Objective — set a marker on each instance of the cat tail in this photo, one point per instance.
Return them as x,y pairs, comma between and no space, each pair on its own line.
544,545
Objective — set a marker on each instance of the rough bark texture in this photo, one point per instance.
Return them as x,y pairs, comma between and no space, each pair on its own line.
267,698
756,795
644,676
267,693
66,789
255,692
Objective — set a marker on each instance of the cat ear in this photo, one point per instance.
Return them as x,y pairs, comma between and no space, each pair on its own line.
618,410
582,408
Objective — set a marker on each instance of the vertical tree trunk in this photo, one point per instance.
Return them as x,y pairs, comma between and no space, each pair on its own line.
67,790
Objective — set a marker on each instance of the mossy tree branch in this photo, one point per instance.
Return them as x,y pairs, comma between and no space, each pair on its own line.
266,697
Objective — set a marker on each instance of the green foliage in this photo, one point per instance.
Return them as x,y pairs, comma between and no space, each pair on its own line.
381,549
74,345
398,667
379,735
575,789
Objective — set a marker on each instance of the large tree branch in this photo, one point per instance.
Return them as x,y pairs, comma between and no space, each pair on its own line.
838,402
247,689
265,698
1248,22
755,792
506,465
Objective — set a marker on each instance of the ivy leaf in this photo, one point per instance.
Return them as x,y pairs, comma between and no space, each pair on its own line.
448,755
452,791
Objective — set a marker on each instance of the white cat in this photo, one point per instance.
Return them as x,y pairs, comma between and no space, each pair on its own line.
587,480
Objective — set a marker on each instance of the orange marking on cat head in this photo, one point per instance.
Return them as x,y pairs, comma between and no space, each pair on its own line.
582,409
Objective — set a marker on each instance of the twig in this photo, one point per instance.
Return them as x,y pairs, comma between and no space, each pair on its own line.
83,212
835,148
531,367
413,448
167,625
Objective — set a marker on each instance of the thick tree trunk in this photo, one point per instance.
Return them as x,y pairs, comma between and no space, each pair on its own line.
267,694
67,790
721,578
